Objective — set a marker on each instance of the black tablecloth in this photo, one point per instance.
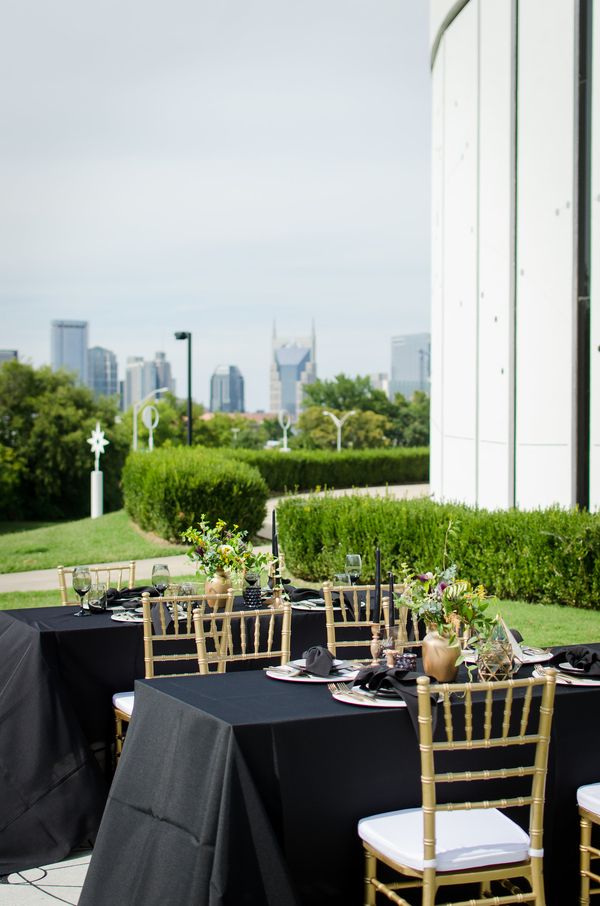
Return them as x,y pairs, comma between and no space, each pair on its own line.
240,789
58,674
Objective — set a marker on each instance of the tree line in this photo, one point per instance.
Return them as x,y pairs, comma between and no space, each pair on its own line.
45,420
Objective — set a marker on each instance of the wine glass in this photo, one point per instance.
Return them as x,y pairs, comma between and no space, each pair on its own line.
160,577
82,582
353,567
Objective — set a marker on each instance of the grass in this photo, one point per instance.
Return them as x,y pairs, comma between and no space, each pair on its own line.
539,624
108,539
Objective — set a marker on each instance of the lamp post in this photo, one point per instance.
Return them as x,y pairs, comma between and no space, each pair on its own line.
186,335
339,423
136,411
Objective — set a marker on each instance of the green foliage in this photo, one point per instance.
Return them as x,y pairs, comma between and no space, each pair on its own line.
219,548
306,470
45,460
548,556
365,430
399,421
170,489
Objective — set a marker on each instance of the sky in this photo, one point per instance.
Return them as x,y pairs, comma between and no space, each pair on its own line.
216,167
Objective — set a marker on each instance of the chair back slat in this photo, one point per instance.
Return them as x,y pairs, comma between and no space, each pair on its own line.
526,710
351,612
174,640
242,636
115,576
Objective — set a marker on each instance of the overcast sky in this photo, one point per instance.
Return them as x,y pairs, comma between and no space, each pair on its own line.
213,166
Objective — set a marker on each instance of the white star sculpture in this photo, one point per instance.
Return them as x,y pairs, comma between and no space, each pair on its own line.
97,442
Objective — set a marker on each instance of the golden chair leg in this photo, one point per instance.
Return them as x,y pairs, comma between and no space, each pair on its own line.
485,889
537,881
585,841
119,736
429,887
370,872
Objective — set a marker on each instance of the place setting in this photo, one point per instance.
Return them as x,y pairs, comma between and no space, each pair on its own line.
574,666
317,665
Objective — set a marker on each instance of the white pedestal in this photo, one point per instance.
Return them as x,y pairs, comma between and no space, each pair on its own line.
97,503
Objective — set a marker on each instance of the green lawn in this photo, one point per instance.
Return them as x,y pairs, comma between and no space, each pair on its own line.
539,624
108,539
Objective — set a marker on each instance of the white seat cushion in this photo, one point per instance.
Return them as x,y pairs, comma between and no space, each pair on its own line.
588,797
124,702
464,839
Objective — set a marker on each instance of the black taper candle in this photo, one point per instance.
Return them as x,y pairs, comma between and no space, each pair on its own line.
377,601
391,597
274,539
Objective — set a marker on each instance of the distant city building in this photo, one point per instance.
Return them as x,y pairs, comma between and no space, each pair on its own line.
293,366
410,369
8,355
227,389
102,371
69,343
380,381
142,377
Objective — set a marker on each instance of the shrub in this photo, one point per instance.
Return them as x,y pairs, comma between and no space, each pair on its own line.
168,490
549,556
305,470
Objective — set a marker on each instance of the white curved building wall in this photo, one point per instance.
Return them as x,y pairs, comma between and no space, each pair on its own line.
503,412
595,272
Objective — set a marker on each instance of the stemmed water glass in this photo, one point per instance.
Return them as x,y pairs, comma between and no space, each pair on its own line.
82,582
353,567
160,577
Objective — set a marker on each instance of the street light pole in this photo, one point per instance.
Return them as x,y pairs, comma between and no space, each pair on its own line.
339,423
136,411
186,335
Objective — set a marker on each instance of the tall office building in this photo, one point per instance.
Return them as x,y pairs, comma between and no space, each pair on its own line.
102,371
410,364
69,343
293,366
227,389
8,355
142,377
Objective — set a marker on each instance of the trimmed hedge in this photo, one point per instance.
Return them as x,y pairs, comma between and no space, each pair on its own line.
549,556
305,470
168,490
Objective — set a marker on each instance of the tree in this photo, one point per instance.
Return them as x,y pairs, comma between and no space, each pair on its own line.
363,431
45,421
345,393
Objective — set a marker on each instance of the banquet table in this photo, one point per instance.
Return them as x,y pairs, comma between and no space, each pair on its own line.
57,677
237,788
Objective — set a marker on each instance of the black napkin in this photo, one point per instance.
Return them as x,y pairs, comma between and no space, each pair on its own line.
402,682
318,660
155,615
126,594
580,658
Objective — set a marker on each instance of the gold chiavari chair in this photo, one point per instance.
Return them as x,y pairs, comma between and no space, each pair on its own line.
472,842
115,576
351,613
243,635
169,643
588,801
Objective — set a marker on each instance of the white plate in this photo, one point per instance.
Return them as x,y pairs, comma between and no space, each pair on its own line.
127,617
366,700
568,668
280,673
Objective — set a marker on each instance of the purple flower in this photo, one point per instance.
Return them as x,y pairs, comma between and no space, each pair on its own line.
425,577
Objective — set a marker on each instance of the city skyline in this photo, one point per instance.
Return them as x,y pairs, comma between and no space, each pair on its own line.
210,170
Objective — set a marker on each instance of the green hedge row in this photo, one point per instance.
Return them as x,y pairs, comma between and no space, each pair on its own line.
168,490
305,470
549,556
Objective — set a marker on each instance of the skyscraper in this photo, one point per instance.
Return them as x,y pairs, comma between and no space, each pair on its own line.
102,371
293,366
142,377
8,355
69,341
227,389
410,364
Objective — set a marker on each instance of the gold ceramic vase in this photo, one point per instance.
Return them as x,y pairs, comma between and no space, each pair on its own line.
440,656
219,584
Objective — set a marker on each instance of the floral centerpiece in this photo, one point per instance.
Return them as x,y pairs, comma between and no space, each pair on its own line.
219,551
452,610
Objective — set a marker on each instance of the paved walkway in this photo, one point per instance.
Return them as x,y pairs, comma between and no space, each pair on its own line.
180,565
